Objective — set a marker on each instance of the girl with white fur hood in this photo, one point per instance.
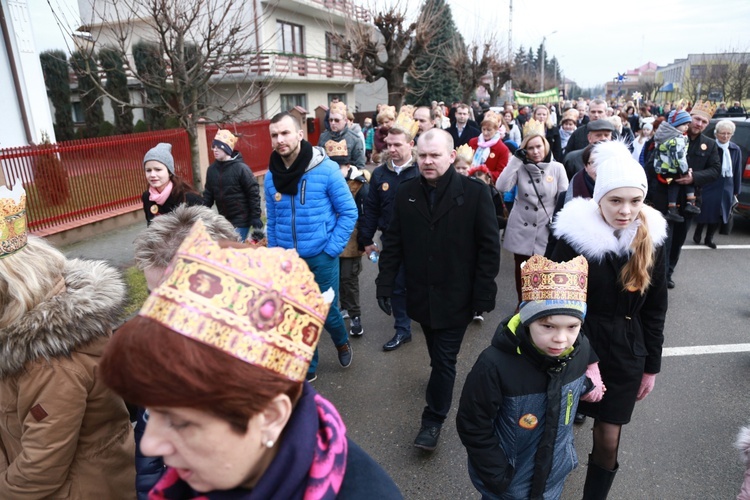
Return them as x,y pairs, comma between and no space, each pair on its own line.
623,241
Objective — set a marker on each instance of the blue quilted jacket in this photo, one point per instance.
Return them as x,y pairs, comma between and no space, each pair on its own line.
319,218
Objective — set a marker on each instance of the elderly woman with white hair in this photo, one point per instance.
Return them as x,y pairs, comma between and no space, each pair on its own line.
718,196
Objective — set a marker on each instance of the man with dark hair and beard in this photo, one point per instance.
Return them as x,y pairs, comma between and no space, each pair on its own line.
310,209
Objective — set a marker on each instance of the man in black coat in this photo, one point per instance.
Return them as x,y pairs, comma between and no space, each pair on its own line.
578,139
444,231
704,162
464,129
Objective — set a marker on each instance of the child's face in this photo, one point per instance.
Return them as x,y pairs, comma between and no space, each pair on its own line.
568,126
461,167
553,335
683,128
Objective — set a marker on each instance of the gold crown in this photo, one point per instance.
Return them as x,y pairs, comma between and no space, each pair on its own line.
226,137
533,127
704,108
406,122
571,114
13,231
387,111
491,116
260,305
338,108
543,279
334,148
465,153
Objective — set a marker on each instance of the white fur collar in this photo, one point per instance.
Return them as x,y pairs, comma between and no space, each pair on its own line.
583,227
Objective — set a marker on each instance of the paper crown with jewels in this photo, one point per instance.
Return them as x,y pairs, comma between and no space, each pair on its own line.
336,148
492,117
406,122
533,127
260,305
338,108
549,288
705,109
465,153
13,231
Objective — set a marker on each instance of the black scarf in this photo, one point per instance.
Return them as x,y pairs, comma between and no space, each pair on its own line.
285,180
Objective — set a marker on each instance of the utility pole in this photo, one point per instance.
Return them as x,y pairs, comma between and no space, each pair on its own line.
510,50
544,39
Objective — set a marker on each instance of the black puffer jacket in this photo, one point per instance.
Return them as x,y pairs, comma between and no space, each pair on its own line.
232,186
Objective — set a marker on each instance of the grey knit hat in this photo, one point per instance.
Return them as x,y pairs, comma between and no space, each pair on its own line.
162,153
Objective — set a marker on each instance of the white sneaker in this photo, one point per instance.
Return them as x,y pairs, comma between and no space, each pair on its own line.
344,314
478,317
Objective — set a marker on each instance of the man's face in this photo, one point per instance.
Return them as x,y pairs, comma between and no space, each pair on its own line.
697,125
599,135
422,115
285,138
434,157
462,116
597,111
337,122
398,148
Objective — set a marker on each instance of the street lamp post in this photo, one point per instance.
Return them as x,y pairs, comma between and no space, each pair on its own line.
544,40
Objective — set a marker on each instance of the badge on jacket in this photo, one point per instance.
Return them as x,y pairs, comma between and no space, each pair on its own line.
385,186
704,147
528,421
550,178
154,209
277,196
492,155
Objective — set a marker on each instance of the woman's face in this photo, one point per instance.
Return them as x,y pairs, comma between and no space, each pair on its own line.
723,136
204,450
621,206
568,126
157,175
488,132
535,149
508,117
541,114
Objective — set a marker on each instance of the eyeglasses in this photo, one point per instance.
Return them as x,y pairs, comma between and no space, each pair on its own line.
335,120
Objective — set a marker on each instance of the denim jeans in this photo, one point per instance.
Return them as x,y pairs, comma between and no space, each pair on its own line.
326,271
242,231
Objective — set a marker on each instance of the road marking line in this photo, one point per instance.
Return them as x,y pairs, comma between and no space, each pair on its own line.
704,349
718,247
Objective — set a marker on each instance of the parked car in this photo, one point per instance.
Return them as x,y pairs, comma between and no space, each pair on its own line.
742,139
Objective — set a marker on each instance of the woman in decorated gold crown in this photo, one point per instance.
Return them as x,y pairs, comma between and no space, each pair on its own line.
218,355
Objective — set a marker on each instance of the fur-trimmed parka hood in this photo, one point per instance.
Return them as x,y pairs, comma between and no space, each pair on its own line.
580,223
85,310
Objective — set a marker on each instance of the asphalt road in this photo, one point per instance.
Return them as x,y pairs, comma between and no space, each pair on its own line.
679,444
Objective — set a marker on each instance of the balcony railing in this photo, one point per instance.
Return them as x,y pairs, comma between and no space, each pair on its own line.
297,65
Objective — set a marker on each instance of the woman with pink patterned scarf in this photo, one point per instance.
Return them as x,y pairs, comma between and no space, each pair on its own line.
218,355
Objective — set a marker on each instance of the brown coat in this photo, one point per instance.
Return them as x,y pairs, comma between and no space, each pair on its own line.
63,434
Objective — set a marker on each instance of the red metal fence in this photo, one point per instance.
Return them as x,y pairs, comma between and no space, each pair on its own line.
75,180
254,142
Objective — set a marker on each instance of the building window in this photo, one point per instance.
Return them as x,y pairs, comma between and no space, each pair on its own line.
289,101
333,51
341,97
77,112
697,71
291,40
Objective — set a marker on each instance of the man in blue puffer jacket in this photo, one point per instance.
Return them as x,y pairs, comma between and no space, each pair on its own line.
310,209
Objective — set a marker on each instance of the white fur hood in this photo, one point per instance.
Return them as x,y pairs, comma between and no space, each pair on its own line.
582,226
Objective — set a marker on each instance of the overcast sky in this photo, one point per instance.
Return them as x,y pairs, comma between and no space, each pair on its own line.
595,40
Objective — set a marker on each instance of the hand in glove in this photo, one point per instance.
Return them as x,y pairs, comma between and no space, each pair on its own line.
647,385
384,303
597,392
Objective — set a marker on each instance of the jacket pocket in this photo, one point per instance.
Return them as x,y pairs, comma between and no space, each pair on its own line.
634,336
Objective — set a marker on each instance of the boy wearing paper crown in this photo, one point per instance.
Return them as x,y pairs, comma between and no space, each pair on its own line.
232,186
516,412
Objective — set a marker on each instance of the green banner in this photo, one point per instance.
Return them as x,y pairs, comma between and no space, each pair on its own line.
551,95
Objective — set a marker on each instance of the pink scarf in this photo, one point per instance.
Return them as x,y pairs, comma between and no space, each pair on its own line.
158,197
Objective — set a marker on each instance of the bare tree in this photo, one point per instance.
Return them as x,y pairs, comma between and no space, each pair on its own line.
211,54
472,67
500,68
387,47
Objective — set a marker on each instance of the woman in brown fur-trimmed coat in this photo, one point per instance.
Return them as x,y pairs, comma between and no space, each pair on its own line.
63,434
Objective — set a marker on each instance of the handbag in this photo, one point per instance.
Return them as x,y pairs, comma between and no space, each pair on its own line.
539,198
726,227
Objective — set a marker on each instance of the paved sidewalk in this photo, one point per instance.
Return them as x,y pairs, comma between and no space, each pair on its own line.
115,246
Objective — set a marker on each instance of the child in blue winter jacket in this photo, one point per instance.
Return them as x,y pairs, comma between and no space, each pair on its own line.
670,163
517,407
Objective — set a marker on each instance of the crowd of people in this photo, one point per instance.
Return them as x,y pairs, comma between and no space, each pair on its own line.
594,200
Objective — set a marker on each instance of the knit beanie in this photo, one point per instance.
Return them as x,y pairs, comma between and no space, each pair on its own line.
162,153
225,140
677,118
549,288
616,168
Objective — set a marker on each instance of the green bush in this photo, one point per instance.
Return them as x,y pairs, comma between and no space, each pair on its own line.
172,122
140,127
106,129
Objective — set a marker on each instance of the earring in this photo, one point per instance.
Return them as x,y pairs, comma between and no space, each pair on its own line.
268,443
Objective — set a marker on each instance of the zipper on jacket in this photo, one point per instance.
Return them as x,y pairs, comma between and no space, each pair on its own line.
569,407
294,226
302,192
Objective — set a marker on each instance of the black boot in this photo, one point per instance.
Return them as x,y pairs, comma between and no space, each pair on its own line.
698,234
673,215
598,481
710,231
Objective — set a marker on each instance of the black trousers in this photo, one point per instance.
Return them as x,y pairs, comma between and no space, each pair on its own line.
443,346
676,235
